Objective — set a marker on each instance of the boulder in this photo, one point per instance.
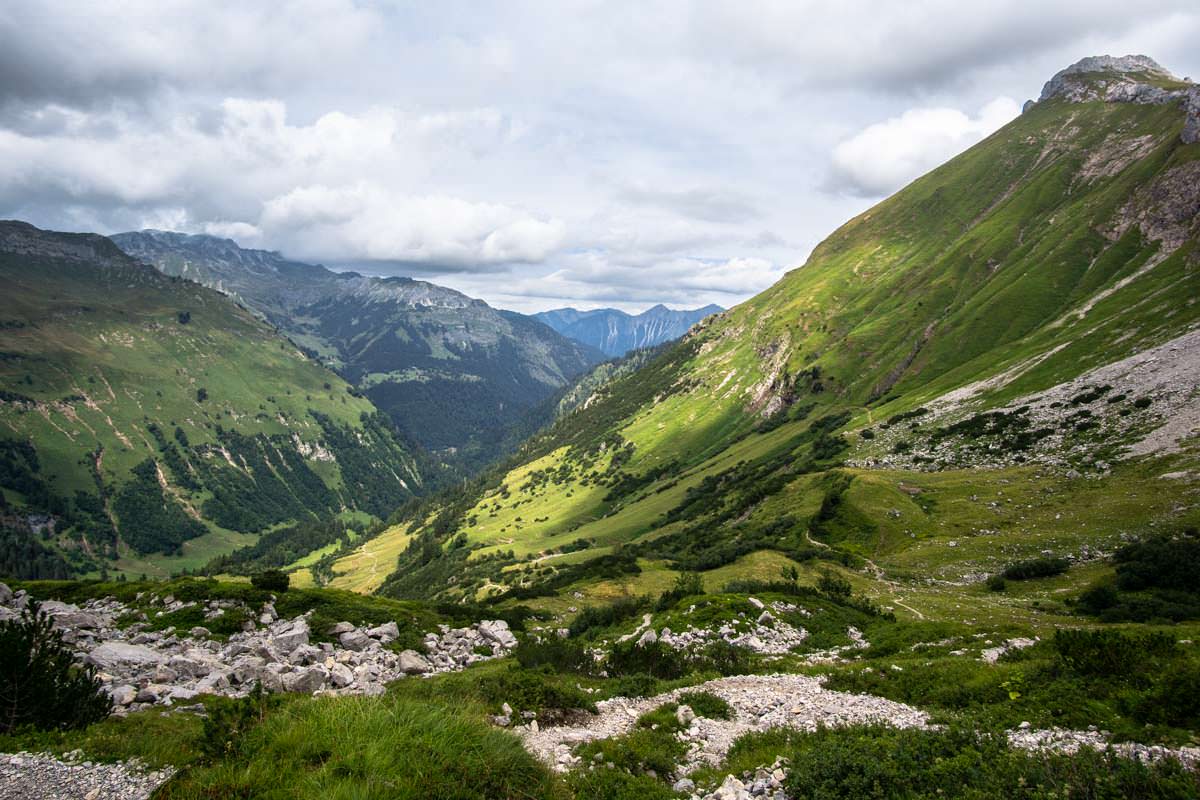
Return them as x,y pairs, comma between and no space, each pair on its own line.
213,683
66,615
200,632
411,662
6,594
182,693
340,675
189,667
340,628
497,631
151,693
306,654
355,640
109,656
122,695
307,680
648,637
387,632
292,636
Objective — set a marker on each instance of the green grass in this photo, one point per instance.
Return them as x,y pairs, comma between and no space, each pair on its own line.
103,356
389,747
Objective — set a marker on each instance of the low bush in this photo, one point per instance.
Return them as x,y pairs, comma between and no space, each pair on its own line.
1113,654
1035,568
595,618
882,763
540,690
707,704
228,721
41,686
600,783
687,584
563,655
271,580
655,659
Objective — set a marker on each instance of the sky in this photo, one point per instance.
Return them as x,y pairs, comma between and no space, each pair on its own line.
533,154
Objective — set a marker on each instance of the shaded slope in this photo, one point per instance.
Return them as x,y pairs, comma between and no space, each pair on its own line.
453,373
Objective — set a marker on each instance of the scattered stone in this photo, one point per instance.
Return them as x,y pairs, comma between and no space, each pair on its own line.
25,776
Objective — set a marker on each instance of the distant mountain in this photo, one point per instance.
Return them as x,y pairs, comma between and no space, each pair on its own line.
149,423
615,333
455,374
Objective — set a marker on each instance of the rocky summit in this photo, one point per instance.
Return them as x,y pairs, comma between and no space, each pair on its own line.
1127,79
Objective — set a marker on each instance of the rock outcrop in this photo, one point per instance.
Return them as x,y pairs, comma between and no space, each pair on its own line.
1126,79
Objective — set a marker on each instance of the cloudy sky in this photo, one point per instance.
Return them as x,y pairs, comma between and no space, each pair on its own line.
534,154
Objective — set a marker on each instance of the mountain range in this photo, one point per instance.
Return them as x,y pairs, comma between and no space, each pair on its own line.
457,376
615,332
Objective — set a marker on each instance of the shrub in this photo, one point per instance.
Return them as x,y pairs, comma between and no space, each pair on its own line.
229,720
272,580
563,655
596,617
1036,568
833,586
615,784
687,584
1112,654
996,583
707,704
40,684
880,763
655,659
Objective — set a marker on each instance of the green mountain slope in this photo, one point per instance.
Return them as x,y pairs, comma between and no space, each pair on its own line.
148,421
1021,320
456,375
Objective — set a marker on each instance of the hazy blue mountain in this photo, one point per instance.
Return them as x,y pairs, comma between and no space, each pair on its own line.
615,332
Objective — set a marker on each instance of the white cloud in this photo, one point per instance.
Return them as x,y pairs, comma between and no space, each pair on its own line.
885,156
367,222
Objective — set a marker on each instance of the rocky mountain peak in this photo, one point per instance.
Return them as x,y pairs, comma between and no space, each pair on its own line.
1126,79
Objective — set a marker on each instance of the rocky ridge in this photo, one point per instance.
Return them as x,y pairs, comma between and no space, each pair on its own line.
1126,79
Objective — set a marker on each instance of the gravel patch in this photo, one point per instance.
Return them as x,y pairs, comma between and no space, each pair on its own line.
28,776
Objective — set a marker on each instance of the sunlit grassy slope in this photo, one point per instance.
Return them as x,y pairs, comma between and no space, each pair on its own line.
1062,242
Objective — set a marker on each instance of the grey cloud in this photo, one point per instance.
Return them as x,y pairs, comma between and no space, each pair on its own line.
526,152
702,204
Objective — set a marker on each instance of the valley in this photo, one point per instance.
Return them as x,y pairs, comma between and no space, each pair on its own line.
921,519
